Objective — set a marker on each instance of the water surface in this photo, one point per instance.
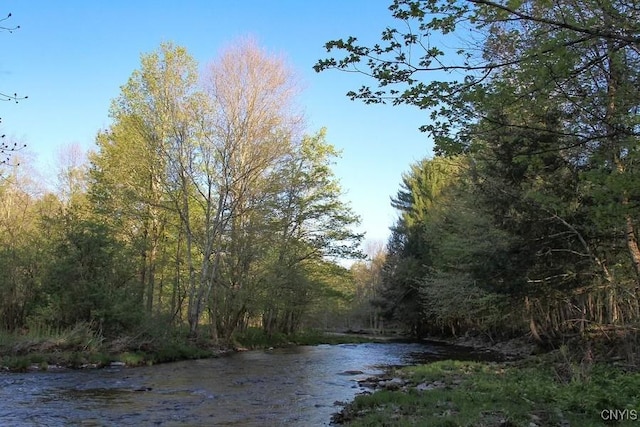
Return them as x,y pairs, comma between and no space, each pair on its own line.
297,386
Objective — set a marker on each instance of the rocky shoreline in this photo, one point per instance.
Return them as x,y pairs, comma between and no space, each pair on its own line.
385,381
391,380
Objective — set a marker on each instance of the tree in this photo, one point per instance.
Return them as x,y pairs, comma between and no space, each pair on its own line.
410,251
579,58
544,97
21,246
90,280
248,129
130,175
310,224
367,275
457,296
511,38
72,173
575,148
207,150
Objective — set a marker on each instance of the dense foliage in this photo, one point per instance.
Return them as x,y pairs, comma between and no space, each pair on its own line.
203,205
537,106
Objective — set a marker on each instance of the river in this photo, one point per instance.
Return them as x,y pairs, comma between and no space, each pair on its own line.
296,386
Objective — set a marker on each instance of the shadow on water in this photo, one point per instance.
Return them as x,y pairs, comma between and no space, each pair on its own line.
298,386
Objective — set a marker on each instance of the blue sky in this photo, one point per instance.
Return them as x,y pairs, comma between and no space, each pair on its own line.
71,58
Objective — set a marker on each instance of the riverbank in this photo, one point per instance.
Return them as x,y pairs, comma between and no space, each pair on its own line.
81,347
515,348
558,388
526,393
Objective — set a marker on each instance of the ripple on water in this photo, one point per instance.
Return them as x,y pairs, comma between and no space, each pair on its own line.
296,386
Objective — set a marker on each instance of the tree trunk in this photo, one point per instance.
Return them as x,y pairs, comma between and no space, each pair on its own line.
612,120
151,262
632,245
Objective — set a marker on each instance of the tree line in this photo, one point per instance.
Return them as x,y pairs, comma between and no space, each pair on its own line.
203,204
526,221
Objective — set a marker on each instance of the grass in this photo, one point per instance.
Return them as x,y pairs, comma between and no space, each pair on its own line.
489,394
41,347
82,346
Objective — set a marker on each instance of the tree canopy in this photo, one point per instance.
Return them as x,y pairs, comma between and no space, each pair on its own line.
204,205
541,101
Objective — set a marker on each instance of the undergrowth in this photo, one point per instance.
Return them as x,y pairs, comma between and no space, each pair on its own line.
516,394
83,345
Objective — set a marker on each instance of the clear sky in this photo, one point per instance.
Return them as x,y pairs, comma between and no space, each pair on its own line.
71,57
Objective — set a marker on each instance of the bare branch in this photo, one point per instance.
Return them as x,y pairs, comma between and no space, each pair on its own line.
5,28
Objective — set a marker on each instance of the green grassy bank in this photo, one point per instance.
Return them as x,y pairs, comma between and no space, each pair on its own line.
538,391
82,346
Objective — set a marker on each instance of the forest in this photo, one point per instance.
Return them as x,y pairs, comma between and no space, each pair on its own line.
204,207
526,220
207,206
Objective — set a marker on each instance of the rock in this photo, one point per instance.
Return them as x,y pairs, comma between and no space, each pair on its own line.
368,384
352,372
89,366
55,368
430,386
117,364
392,384
424,387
